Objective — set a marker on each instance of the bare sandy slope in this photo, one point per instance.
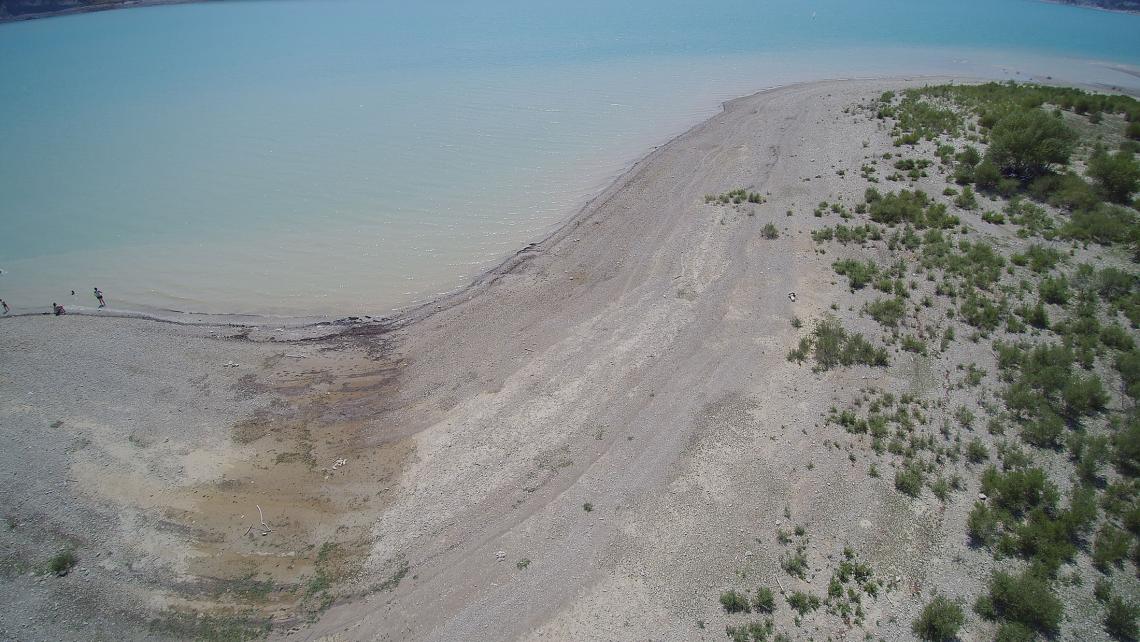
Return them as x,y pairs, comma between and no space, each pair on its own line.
634,361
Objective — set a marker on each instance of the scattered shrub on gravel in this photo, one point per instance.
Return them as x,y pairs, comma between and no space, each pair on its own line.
939,621
887,312
858,273
976,451
803,603
1117,175
735,602
1015,632
750,632
1026,598
832,346
908,480
1110,548
764,601
62,562
1120,620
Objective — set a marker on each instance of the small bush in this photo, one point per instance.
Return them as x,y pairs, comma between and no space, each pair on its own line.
832,346
858,273
982,525
1110,548
1102,590
764,601
735,602
966,199
976,451
1120,620
795,565
62,562
887,312
911,343
939,621
908,480
1102,224
753,631
1054,290
1027,599
1027,143
1117,175
1015,632
803,603
1020,490
769,231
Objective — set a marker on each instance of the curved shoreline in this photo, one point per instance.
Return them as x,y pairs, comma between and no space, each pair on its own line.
633,361
413,313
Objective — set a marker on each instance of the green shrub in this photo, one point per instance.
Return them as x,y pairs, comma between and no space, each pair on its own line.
1117,338
981,312
764,601
1128,365
982,525
858,273
1102,224
888,312
1041,259
1084,396
1102,590
795,565
1067,191
1120,619
1114,284
976,451
1117,175
1027,143
1020,490
1035,316
939,621
911,343
1044,430
62,562
1054,290
803,603
966,199
832,346
1014,632
1027,599
904,207
969,156
769,231
986,176
908,480
753,631
1110,547
735,602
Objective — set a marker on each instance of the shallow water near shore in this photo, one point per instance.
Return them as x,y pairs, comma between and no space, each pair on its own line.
352,157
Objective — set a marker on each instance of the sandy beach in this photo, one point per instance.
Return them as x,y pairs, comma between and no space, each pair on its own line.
434,470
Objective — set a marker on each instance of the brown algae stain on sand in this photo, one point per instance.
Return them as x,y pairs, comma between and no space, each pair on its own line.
314,462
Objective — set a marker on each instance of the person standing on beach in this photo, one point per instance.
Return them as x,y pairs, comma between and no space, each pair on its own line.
57,309
99,295
5,304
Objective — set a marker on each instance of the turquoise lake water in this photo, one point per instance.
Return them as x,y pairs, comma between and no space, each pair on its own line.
355,156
